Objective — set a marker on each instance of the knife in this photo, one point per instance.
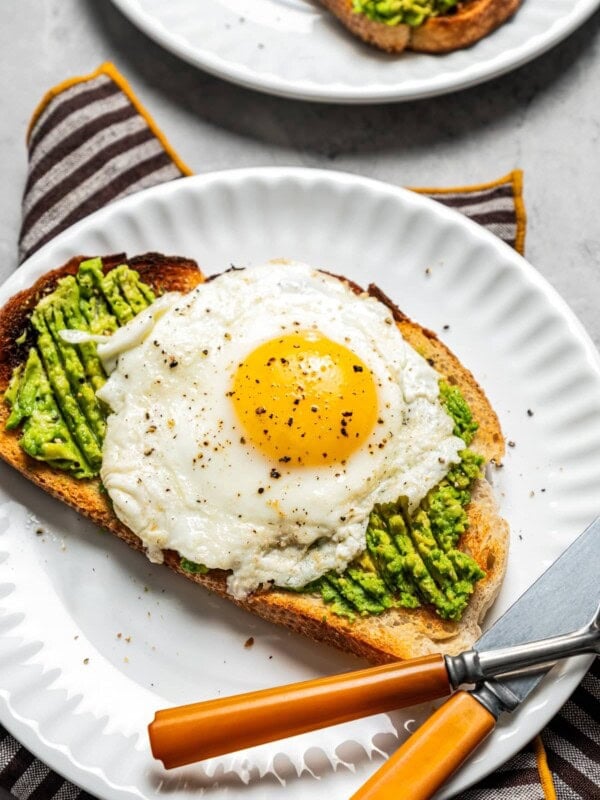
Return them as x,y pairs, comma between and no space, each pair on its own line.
561,600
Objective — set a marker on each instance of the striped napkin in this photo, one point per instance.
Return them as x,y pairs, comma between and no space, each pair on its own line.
91,142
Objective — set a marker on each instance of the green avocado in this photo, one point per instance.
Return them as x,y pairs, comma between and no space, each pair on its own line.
465,427
412,559
46,436
52,396
192,567
403,12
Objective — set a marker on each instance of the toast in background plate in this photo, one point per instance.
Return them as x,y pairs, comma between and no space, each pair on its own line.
464,25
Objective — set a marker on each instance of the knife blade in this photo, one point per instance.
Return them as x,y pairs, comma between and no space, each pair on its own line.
201,730
548,608
439,747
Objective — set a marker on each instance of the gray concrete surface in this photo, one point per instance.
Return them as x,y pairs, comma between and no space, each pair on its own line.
544,118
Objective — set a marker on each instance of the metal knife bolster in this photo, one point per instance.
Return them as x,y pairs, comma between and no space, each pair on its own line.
496,696
474,667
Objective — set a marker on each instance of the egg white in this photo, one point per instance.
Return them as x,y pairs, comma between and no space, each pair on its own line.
173,463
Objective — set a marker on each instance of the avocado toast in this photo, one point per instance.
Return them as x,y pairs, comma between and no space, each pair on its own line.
392,626
428,26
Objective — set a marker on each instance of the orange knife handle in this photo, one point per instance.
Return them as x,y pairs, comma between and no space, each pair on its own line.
194,732
438,748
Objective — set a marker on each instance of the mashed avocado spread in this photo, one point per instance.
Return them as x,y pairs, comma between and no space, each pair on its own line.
410,560
53,394
413,560
403,12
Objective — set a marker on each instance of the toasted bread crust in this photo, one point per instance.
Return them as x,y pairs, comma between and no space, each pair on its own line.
472,20
398,633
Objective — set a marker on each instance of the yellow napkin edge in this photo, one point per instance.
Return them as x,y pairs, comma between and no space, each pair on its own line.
544,771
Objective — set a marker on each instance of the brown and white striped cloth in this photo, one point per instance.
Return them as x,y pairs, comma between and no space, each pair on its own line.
91,142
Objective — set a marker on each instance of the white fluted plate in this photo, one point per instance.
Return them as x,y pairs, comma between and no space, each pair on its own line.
94,638
295,48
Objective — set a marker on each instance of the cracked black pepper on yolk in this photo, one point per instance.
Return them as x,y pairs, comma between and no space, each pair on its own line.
305,400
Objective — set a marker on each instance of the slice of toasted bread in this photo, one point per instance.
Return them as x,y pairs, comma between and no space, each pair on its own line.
471,21
398,633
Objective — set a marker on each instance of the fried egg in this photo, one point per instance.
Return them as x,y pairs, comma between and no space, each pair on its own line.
257,420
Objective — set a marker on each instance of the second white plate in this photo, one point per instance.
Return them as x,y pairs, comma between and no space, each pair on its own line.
94,639
297,49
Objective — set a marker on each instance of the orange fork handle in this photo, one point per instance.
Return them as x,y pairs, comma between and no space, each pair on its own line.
437,749
194,732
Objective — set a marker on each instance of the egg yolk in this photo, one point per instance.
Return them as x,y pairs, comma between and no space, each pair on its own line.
304,400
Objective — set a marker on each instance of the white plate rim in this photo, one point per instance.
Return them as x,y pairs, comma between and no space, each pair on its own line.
57,756
473,74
